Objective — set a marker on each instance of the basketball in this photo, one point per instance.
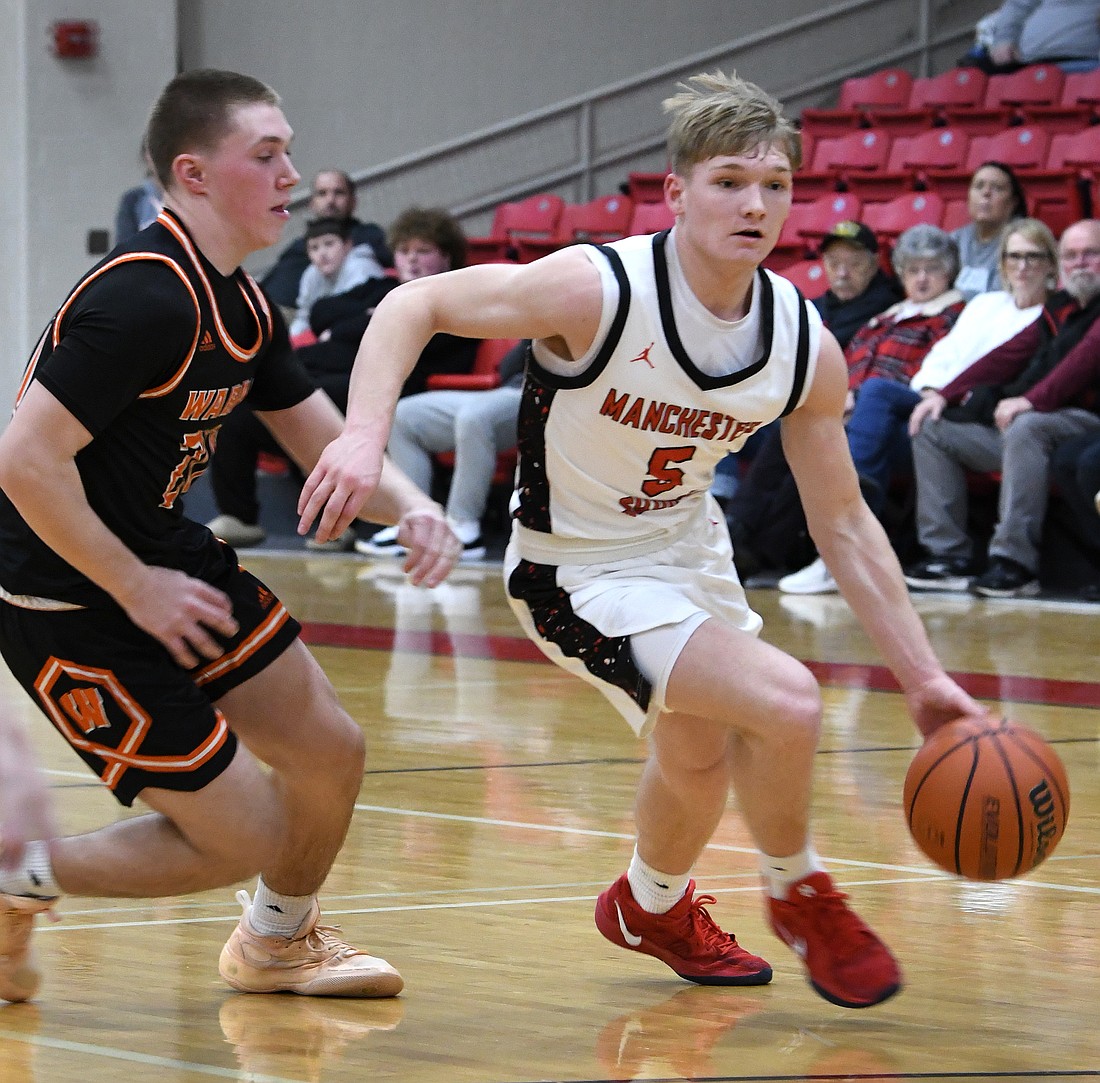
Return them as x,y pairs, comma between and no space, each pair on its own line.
987,801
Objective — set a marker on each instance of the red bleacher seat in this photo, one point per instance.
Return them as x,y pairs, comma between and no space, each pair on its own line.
606,218
1077,109
808,223
484,373
929,97
1037,84
535,216
956,213
957,87
888,88
1079,105
650,218
860,151
1079,154
646,187
1022,147
808,275
823,213
889,220
1006,96
938,149
484,376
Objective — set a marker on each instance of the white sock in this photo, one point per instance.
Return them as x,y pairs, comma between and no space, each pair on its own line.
33,876
467,530
655,892
273,914
780,873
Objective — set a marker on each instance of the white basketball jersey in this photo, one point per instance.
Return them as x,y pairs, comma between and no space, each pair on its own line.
617,453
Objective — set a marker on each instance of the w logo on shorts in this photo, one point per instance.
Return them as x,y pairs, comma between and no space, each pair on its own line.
86,708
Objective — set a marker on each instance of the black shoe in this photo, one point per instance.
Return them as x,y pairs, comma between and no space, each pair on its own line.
1006,578
1090,592
939,573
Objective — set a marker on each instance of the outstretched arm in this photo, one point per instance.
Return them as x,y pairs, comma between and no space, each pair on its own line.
856,550
305,429
558,299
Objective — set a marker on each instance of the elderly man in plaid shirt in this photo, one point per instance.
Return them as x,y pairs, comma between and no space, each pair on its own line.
893,344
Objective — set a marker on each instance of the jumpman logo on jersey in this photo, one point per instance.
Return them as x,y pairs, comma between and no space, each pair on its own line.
644,356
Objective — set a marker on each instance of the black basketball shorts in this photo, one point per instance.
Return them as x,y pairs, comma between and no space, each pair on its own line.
128,709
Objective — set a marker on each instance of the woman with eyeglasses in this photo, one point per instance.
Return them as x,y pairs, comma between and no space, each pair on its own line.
878,427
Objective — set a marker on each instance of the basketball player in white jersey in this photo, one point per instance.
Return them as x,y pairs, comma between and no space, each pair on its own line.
653,357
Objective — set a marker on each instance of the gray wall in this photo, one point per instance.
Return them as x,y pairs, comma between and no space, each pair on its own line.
366,82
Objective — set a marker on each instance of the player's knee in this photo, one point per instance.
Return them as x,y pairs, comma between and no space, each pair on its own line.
798,712
340,749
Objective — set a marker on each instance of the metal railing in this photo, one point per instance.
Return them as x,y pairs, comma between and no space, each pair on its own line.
579,114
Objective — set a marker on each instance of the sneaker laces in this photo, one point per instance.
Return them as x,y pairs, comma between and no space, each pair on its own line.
697,924
325,938
835,917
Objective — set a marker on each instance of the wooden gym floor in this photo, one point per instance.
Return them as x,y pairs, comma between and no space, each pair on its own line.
497,805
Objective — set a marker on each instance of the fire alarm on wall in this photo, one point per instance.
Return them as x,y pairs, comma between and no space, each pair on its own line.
74,38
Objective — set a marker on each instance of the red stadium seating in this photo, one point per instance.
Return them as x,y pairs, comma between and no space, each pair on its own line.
1006,96
938,149
889,220
1079,105
808,275
1022,147
646,187
535,216
606,218
888,88
484,376
650,218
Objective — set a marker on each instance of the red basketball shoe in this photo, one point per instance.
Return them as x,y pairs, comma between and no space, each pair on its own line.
845,962
687,938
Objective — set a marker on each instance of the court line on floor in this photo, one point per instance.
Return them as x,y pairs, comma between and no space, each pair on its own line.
504,648
147,1059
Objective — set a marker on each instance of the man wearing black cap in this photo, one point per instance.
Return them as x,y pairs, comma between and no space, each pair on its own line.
858,286
764,513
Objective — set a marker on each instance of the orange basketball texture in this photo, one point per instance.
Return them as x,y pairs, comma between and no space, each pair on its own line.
987,801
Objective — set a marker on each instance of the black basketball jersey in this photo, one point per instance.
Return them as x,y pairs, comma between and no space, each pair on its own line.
150,352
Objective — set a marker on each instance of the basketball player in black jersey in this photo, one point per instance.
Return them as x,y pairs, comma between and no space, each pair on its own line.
172,672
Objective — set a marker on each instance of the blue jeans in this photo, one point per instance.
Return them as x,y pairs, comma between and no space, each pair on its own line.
877,432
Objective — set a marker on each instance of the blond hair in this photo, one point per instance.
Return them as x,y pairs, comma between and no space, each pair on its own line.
718,114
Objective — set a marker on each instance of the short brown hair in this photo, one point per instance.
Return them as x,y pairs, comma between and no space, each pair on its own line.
434,225
192,113
717,114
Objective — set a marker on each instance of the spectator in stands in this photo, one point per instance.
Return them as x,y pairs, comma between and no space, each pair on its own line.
425,241
763,513
1022,32
858,289
139,206
335,266
1007,412
476,426
1075,468
995,198
858,286
892,345
878,431
332,195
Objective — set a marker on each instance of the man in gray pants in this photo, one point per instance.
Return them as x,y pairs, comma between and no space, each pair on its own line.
1008,412
476,426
